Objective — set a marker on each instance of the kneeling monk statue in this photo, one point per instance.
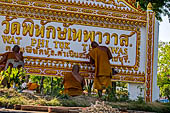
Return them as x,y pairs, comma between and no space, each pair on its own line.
73,82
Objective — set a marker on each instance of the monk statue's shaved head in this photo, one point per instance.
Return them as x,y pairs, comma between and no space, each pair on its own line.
75,68
16,49
94,44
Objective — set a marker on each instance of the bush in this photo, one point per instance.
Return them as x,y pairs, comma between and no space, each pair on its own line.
12,77
53,102
55,90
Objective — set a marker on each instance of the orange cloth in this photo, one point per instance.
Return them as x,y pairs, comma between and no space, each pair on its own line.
102,82
102,64
72,87
10,55
102,68
32,86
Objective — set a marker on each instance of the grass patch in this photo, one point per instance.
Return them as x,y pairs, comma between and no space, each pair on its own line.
149,107
10,97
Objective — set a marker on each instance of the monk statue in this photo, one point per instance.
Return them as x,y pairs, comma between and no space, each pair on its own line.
13,59
73,82
100,56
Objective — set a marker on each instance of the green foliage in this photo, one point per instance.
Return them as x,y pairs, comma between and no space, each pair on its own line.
109,95
10,97
35,79
64,96
6,102
159,6
147,107
53,102
13,76
122,93
164,69
55,88
140,98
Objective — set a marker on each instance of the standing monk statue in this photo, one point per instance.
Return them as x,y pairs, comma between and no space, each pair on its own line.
13,59
100,56
73,82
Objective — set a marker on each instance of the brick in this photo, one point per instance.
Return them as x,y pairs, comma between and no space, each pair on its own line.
34,108
58,110
17,107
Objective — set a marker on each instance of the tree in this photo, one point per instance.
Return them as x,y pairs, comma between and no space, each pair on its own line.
164,69
159,6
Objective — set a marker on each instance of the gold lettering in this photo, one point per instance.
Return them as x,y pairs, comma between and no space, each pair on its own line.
100,37
18,40
63,33
35,50
8,48
69,34
59,53
107,37
120,51
84,47
6,31
61,45
39,31
56,44
41,52
22,49
90,35
46,51
27,28
28,49
77,35
52,52
65,54
40,43
115,59
114,50
121,60
126,58
125,51
49,30
6,39
71,53
67,45
15,28
125,38
115,38
33,41
76,55
46,45
12,40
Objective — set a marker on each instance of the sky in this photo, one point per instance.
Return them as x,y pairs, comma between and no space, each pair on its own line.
164,30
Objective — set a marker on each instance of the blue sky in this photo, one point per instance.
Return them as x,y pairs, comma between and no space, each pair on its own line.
164,30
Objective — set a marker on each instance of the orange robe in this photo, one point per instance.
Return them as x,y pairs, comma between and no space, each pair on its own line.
103,69
32,86
72,87
10,55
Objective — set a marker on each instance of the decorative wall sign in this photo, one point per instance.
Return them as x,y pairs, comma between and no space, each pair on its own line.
55,34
